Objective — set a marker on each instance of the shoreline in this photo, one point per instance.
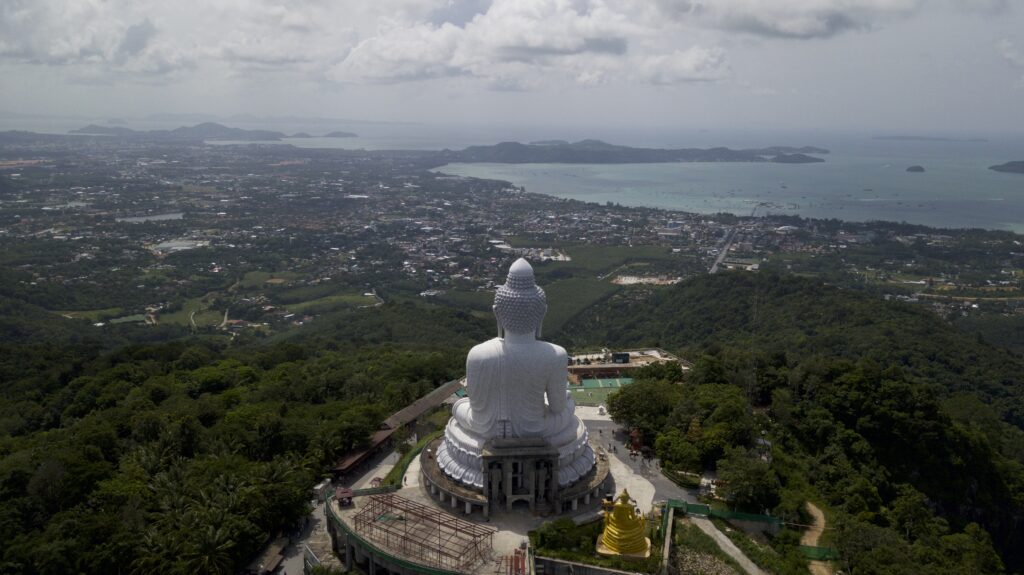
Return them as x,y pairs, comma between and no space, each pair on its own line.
591,183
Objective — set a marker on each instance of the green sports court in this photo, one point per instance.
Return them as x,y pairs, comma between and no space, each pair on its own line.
594,392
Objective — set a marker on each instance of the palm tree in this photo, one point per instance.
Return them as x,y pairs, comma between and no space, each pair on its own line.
156,553
209,552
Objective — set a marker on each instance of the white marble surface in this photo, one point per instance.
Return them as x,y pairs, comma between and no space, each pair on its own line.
516,388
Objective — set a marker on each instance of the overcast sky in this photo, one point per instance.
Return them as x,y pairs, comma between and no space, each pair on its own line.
895,65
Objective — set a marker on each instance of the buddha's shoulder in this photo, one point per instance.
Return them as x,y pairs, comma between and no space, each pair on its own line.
488,348
555,350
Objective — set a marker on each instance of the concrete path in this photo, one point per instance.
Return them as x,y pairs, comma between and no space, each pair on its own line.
646,484
315,533
726,545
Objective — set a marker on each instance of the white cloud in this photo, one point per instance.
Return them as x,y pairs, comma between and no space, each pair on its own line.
694,65
983,6
788,18
515,44
94,38
411,53
504,44
1014,55
1009,51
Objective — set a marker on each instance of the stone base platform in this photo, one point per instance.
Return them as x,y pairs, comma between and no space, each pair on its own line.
467,500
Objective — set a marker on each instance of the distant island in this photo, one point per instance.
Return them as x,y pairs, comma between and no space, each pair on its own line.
301,135
916,169
929,139
598,152
203,131
1010,167
796,159
340,134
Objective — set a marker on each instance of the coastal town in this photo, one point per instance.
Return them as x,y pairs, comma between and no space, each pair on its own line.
268,237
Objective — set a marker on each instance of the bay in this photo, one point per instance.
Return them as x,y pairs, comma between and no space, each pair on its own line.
957,190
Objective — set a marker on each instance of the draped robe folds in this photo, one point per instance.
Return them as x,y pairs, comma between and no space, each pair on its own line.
507,383
516,388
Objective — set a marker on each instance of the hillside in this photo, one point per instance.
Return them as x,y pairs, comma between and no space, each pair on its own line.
203,131
1010,167
598,152
872,402
896,421
169,457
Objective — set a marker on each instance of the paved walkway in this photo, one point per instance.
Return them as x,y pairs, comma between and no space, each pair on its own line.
644,482
315,533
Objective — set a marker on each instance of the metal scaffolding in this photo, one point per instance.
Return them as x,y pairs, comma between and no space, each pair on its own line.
422,533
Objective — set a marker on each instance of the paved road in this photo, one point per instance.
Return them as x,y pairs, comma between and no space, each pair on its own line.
725,250
729,237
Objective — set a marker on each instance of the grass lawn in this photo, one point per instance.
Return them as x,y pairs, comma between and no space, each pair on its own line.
468,300
569,297
93,315
134,318
210,317
571,286
256,280
591,261
301,294
181,316
331,303
592,397
566,298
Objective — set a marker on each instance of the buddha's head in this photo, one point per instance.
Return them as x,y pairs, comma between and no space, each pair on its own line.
520,304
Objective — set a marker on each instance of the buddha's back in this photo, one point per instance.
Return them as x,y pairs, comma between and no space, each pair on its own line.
515,385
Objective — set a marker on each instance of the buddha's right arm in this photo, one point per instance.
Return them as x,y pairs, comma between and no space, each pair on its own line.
556,388
472,375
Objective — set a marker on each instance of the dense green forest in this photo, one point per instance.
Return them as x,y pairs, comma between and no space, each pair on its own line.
906,428
187,455
143,449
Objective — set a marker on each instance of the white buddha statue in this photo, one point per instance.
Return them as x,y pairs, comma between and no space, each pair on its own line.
516,388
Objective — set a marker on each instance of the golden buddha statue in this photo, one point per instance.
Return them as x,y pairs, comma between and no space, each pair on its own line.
624,529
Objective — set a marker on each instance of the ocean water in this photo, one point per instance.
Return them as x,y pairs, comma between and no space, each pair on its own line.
861,181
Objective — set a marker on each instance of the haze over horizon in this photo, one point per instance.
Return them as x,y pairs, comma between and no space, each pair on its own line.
882,65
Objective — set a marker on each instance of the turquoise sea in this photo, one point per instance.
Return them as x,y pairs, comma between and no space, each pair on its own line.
862,183
863,178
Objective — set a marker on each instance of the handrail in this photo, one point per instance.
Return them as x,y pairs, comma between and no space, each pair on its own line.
374,490
406,460
706,510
